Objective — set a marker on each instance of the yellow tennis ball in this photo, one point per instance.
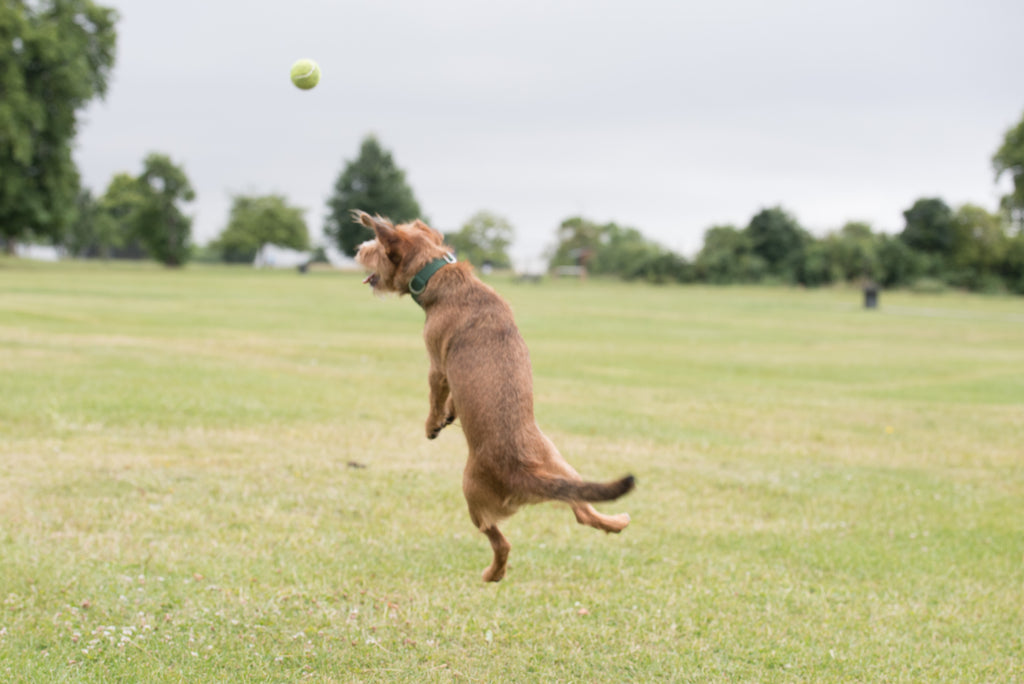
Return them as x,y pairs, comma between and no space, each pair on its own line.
305,74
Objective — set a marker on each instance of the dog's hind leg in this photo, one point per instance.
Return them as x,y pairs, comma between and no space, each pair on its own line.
586,515
501,547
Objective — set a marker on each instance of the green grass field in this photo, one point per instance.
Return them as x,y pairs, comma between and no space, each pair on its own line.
824,493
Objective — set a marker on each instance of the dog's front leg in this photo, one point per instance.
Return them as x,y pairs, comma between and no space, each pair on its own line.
442,411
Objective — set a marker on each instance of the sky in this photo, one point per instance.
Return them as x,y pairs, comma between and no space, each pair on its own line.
666,116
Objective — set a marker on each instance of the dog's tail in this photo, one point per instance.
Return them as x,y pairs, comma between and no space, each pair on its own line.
561,489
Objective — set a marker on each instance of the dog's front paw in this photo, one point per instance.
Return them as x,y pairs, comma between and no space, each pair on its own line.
434,428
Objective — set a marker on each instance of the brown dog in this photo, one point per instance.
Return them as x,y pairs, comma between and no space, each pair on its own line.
480,372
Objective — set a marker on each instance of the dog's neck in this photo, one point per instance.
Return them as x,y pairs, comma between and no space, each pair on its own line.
419,281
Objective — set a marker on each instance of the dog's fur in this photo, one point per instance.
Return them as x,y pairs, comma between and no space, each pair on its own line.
480,372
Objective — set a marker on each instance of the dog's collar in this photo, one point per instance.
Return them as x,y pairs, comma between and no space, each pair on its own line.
419,281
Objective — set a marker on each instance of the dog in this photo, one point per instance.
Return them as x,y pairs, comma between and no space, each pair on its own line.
480,373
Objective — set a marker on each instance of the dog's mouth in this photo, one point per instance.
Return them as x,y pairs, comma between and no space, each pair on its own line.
371,280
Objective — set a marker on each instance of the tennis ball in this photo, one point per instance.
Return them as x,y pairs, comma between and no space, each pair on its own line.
305,74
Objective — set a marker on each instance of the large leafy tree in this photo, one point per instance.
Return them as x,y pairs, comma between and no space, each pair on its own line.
776,237
255,220
929,227
373,183
1009,158
55,57
161,225
484,237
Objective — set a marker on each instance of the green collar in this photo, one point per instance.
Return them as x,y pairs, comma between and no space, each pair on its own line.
419,281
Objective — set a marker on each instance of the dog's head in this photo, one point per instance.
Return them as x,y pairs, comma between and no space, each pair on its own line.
397,253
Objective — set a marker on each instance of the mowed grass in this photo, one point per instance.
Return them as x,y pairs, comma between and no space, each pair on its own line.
218,474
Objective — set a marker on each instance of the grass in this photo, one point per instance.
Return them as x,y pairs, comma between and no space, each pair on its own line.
218,474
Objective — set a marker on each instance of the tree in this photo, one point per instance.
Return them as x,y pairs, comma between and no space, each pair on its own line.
929,227
776,237
728,257
898,263
105,227
160,224
1012,265
1009,158
484,237
55,57
615,250
373,183
81,235
979,246
578,240
117,233
822,262
257,220
856,252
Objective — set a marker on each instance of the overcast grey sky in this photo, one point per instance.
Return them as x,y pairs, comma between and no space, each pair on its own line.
666,116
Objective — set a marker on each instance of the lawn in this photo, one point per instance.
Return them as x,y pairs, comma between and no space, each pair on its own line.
219,474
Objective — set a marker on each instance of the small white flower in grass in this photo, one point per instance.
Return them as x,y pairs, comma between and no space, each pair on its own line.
193,654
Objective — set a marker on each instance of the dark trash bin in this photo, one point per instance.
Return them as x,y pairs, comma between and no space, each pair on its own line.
871,296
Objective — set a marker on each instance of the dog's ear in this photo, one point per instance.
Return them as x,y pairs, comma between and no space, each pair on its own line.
382,228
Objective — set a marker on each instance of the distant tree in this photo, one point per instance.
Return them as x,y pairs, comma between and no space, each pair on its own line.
857,252
1009,158
163,229
55,57
81,235
898,263
979,247
484,237
1011,267
373,183
255,220
822,262
929,227
663,266
727,256
776,237
578,240
117,233
614,250
625,252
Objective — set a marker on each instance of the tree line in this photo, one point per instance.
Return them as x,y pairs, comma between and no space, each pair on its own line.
58,55
968,247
